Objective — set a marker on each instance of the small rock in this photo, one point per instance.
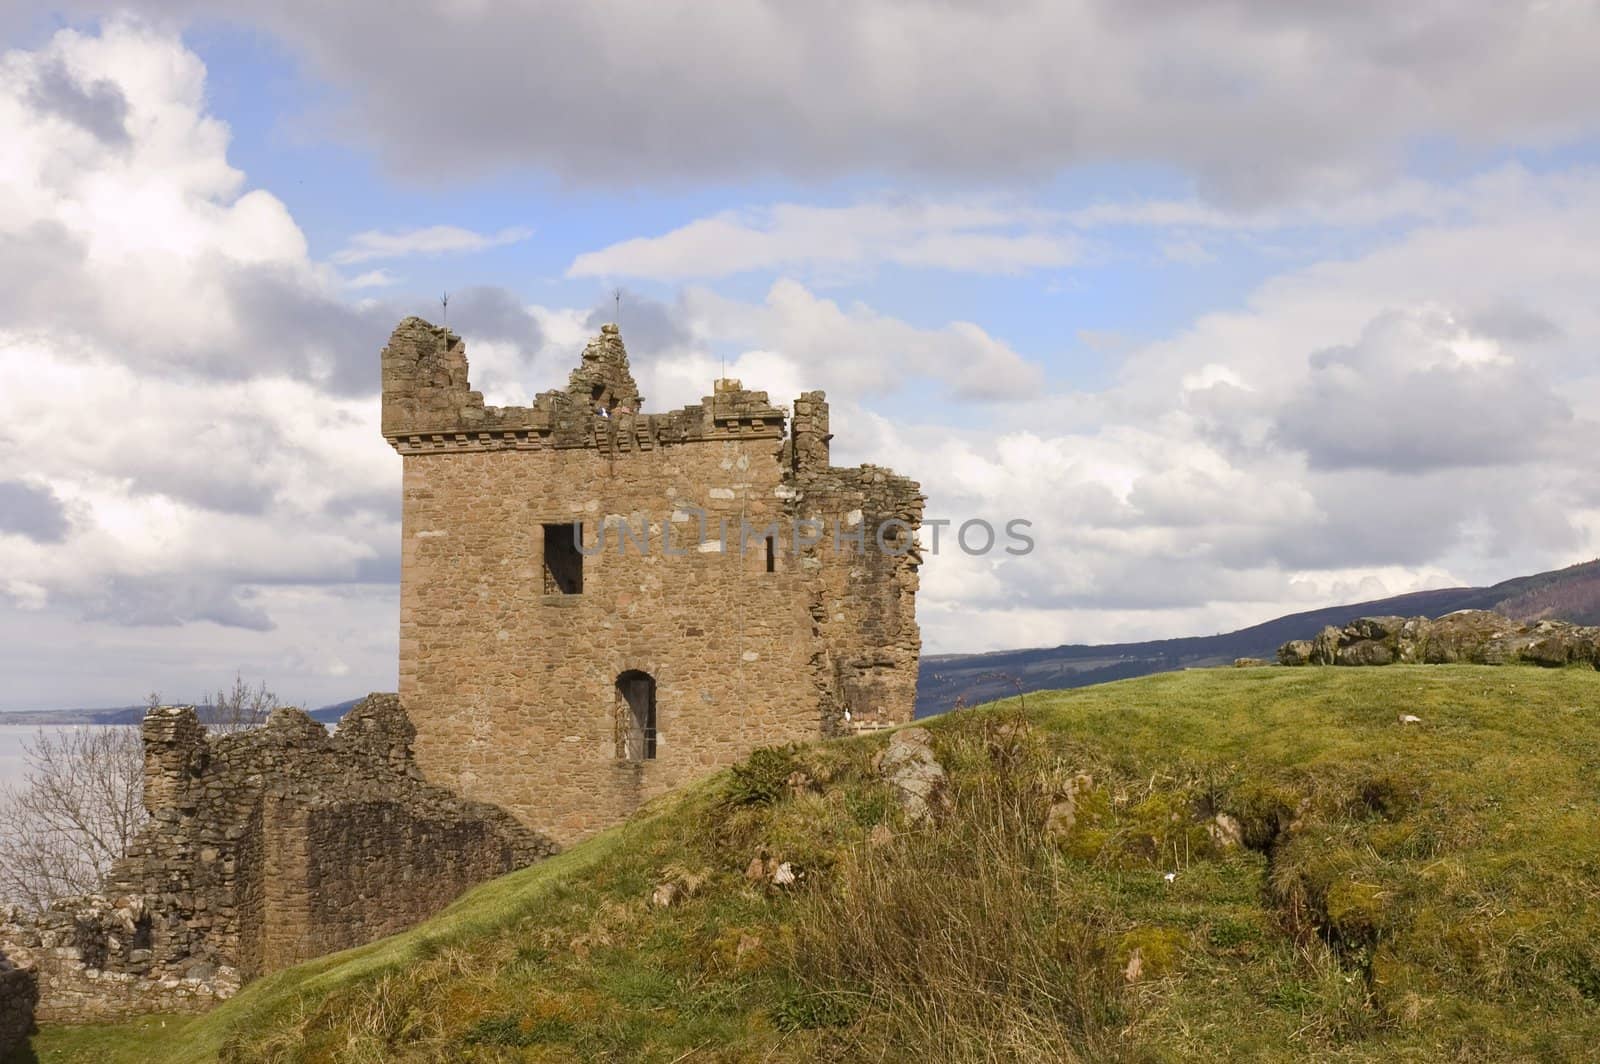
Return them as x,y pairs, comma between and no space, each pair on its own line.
664,896
1135,966
784,875
1408,718
1064,810
1226,832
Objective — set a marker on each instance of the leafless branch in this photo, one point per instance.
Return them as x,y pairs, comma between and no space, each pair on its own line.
74,811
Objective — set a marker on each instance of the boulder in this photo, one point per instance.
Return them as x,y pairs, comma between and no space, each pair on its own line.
1295,652
1365,652
1465,636
1381,629
1325,647
909,764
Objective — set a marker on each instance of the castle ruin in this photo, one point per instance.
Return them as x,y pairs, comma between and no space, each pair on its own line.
599,604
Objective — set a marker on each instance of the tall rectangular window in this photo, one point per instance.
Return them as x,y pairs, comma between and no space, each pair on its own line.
563,561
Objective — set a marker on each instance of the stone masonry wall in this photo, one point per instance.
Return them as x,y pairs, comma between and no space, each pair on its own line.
264,848
864,597
19,993
513,690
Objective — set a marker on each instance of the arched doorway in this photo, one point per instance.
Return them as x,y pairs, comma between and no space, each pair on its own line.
636,716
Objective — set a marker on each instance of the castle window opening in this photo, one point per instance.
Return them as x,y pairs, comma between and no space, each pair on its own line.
636,706
772,553
563,561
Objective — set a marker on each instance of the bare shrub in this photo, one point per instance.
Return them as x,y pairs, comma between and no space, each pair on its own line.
74,811
80,799
239,707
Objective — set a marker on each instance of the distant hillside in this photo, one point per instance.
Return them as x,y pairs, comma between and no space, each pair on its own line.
44,717
1263,865
135,714
1571,594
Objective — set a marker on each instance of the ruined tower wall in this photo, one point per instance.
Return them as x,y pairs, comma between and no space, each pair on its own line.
864,598
513,690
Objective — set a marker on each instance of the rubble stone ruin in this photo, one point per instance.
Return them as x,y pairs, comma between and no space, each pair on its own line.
599,604
264,848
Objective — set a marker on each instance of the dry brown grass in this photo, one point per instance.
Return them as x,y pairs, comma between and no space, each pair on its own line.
958,941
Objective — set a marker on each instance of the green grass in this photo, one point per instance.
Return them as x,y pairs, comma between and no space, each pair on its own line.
1408,892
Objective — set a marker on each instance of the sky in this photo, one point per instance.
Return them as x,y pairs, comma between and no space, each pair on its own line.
1249,306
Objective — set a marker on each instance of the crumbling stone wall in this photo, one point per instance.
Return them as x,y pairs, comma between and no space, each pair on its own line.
864,602
19,993
1476,637
264,848
514,690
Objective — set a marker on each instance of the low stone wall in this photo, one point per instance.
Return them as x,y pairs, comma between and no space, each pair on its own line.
91,961
264,848
1475,637
19,994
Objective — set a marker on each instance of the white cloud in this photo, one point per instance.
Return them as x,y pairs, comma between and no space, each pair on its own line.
1420,391
170,369
1257,101
858,351
840,240
380,278
1414,417
429,240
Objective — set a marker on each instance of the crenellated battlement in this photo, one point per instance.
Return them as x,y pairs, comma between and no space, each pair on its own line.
429,404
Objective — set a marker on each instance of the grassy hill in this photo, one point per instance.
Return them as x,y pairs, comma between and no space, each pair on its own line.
1570,594
1403,891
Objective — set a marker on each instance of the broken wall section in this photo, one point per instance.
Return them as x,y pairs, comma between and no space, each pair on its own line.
264,848
863,576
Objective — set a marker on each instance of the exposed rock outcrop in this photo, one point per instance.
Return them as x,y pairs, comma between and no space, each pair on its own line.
1475,637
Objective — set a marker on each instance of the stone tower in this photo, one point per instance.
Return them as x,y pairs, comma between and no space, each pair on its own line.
599,604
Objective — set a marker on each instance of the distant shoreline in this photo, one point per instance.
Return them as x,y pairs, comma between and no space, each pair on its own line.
28,718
